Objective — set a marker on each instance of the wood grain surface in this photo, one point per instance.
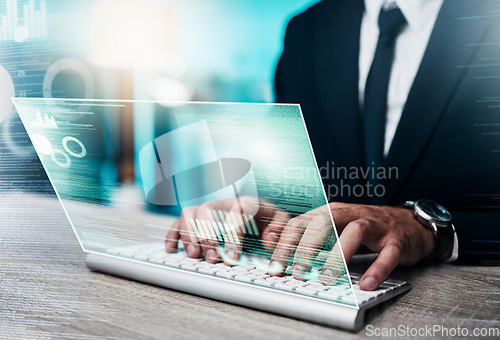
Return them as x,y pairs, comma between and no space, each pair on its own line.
46,292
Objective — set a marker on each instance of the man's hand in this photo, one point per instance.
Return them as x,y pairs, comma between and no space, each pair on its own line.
200,228
392,232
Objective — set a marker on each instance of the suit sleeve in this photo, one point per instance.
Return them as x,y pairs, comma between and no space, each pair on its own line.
293,81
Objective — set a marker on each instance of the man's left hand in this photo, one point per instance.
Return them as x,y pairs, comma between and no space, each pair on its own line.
392,232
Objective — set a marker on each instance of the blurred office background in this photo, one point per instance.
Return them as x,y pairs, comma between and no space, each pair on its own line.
166,50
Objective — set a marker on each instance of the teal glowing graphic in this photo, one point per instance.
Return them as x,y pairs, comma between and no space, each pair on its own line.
219,177
32,25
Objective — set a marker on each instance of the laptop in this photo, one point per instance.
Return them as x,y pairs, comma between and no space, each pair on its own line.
212,175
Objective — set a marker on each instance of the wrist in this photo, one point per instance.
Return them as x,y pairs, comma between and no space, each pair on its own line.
436,219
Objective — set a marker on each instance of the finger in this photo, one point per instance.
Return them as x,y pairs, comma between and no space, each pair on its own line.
209,232
235,231
275,225
287,244
265,214
348,243
188,231
310,244
385,263
340,205
172,239
200,231
343,214
240,221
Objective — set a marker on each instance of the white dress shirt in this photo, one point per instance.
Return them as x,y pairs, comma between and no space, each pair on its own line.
409,50
410,47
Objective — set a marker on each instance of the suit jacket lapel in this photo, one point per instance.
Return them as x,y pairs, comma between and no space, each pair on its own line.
439,74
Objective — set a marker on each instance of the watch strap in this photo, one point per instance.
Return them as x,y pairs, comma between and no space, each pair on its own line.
442,244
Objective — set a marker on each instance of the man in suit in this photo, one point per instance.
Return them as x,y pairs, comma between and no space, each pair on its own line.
403,97
437,81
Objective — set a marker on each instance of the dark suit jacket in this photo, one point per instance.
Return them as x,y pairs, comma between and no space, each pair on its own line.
447,144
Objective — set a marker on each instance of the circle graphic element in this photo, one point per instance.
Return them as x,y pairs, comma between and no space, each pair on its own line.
42,144
67,161
6,93
83,151
76,68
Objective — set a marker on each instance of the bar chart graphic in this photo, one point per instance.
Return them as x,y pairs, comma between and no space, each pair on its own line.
46,121
22,20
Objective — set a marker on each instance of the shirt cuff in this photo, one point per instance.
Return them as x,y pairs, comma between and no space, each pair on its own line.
454,252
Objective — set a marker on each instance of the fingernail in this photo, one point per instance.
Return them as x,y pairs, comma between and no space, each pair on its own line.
274,236
275,268
211,255
231,254
326,277
191,250
370,283
298,271
169,249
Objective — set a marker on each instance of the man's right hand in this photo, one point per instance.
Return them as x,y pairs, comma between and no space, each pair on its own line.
201,227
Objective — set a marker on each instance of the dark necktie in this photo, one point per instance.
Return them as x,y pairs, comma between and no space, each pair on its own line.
390,23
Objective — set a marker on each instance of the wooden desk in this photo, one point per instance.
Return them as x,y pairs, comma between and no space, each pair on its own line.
47,292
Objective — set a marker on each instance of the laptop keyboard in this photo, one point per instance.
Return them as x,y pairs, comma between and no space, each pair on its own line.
253,271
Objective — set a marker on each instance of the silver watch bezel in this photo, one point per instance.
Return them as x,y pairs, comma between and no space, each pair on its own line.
436,225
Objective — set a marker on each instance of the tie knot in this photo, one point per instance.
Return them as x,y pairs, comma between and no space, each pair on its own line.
390,22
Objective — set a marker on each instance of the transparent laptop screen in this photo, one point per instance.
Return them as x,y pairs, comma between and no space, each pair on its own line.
235,184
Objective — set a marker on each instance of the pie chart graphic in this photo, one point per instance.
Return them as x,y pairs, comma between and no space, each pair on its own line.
217,180
182,168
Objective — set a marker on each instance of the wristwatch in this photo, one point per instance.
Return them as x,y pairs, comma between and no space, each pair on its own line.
438,219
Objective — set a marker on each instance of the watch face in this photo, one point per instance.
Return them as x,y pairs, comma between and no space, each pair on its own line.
435,211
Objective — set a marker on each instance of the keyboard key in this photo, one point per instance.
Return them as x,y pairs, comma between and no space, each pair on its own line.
239,270
114,251
263,282
245,267
274,278
189,266
157,259
206,270
205,265
281,279
307,290
245,278
284,286
172,262
225,274
142,256
316,285
395,282
292,281
349,299
127,252
388,286
222,267
329,295
260,272
363,298
190,260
